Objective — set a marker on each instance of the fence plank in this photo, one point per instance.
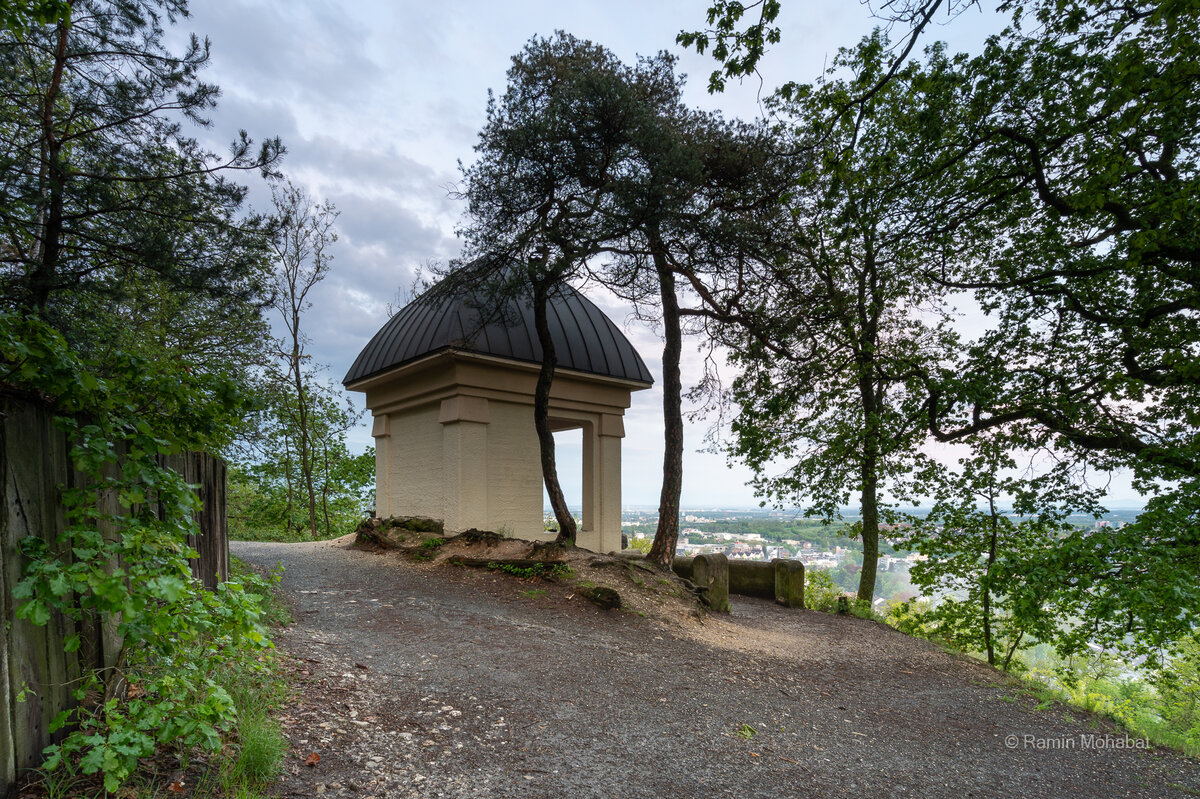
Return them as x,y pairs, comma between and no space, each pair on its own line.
32,503
8,765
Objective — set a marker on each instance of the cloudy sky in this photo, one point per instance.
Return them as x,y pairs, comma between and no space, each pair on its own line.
377,102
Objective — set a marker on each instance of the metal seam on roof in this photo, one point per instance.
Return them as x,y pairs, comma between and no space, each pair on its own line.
630,362
431,337
399,343
564,348
597,331
603,338
611,331
584,358
366,358
529,324
470,324
519,341
390,332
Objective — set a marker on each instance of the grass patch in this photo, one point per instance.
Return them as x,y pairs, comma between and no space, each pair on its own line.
426,549
533,593
253,759
251,750
745,732
261,747
559,571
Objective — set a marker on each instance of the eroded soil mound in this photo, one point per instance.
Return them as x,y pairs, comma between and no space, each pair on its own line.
554,571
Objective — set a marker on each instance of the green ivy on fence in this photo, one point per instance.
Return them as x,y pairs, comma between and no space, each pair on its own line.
123,554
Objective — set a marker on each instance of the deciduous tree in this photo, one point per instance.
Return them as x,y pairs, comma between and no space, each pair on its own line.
834,352
1065,172
983,539
302,260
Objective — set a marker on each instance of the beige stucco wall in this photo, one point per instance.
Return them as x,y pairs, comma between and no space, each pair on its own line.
514,472
414,456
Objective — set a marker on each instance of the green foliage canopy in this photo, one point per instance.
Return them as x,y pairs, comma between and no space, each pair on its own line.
98,180
835,339
129,278
1059,187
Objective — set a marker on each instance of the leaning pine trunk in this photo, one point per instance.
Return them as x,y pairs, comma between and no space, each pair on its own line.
541,418
667,535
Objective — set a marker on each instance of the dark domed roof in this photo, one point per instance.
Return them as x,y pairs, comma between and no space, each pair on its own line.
585,340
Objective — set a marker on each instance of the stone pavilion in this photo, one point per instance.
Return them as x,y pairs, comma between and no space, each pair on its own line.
450,387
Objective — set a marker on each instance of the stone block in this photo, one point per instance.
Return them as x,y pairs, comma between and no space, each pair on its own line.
789,582
752,578
711,573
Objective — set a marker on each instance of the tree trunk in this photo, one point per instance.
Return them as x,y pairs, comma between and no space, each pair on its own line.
541,418
667,535
325,488
42,278
305,453
291,490
869,310
1012,650
986,594
870,490
870,532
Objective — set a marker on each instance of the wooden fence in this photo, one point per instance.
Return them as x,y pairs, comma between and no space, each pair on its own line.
37,674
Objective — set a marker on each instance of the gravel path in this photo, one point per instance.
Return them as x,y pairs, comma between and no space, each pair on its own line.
440,682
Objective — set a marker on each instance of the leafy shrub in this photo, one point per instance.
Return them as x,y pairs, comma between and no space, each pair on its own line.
909,617
863,609
557,571
641,544
820,592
